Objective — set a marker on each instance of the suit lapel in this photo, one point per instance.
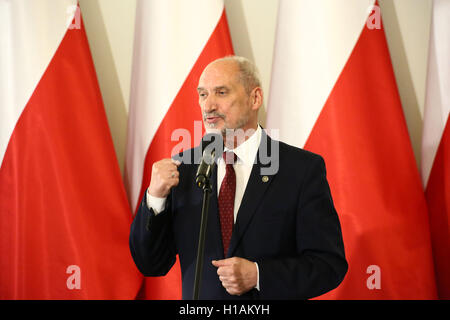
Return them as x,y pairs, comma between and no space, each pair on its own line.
257,186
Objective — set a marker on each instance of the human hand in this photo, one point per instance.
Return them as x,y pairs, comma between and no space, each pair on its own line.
237,275
165,175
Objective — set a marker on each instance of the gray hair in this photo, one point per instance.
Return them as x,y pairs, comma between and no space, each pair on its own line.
248,72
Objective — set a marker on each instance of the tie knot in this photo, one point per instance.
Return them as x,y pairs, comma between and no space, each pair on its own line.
229,157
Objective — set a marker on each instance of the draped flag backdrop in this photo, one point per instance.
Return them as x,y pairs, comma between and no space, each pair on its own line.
436,143
174,41
333,92
64,215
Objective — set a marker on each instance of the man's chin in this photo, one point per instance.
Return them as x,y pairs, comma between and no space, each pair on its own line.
214,130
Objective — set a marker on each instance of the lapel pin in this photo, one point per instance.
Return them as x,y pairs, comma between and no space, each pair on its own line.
265,179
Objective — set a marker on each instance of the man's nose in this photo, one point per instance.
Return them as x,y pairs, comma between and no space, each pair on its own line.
210,104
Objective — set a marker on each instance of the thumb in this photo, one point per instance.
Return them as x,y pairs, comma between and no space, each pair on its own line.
223,262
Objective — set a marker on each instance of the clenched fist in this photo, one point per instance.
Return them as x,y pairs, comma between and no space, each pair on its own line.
165,175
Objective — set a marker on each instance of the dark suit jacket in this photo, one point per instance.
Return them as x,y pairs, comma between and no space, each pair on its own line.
288,225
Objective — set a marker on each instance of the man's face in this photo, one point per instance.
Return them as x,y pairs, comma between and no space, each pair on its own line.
223,100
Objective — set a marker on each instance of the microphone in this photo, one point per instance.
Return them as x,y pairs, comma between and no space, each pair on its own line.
212,144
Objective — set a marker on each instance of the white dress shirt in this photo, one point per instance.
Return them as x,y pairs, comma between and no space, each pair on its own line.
246,155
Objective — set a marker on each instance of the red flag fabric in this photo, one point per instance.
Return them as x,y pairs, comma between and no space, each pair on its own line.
64,215
334,93
164,116
436,143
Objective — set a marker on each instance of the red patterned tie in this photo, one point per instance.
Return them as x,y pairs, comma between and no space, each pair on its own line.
226,200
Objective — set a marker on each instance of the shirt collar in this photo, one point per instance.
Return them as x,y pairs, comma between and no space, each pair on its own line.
246,151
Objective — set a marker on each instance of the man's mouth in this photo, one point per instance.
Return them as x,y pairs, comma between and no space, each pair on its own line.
211,119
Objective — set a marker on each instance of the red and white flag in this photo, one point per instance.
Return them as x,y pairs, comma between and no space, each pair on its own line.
64,215
436,143
174,41
333,92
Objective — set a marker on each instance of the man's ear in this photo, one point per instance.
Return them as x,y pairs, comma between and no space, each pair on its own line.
256,97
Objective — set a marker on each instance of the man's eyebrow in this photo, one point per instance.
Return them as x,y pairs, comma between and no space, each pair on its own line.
221,88
215,88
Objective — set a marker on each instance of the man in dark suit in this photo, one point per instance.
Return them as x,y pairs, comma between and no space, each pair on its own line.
272,232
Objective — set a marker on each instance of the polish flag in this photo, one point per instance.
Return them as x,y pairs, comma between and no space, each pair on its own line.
333,92
436,143
64,215
174,41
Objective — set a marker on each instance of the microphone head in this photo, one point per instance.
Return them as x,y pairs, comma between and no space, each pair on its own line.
212,145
